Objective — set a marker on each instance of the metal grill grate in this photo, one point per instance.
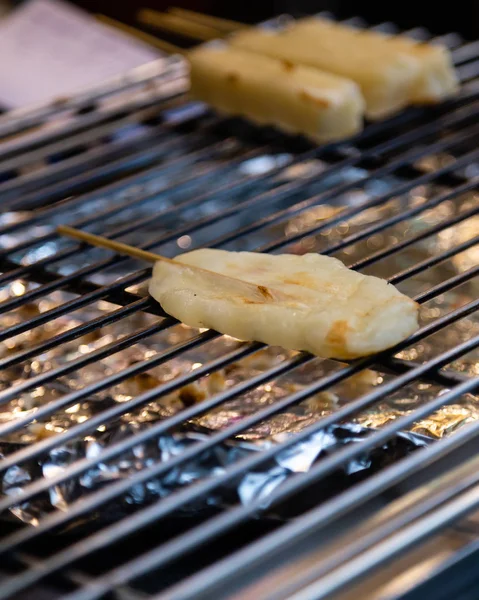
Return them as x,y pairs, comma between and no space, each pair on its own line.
150,163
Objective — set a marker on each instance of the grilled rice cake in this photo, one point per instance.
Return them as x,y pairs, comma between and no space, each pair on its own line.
295,98
392,71
321,306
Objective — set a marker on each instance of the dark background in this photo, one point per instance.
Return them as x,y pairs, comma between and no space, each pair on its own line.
457,15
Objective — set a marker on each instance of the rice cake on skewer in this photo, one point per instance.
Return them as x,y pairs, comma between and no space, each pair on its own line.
392,71
325,308
310,302
294,98
436,79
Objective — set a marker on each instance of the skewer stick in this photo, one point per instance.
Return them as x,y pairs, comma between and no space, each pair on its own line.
223,25
259,293
179,25
141,35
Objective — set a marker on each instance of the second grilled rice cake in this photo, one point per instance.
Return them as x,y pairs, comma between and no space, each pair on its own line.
391,71
295,98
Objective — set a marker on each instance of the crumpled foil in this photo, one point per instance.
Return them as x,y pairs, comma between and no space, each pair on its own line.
255,485
442,423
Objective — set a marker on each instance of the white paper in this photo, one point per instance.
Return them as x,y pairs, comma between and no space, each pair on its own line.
50,49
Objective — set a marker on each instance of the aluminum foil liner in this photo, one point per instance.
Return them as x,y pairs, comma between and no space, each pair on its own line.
253,486
314,180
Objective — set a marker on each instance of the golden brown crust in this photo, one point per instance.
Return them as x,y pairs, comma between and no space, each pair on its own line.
265,292
304,280
232,77
288,65
322,102
337,336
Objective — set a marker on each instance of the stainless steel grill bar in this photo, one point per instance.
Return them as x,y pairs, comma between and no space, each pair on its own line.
96,165
106,120
160,555
377,229
208,404
366,544
449,566
466,52
153,115
283,215
11,191
72,305
402,140
434,260
117,449
447,285
375,201
115,296
401,540
44,213
172,190
217,525
173,165
412,212
76,332
36,293
31,155
469,70
319,518
92,357
142,304
355,367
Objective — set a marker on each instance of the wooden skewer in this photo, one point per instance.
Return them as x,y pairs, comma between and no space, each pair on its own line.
141,35
224,25
179,25
259,293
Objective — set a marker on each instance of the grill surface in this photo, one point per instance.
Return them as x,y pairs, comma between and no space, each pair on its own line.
131,168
